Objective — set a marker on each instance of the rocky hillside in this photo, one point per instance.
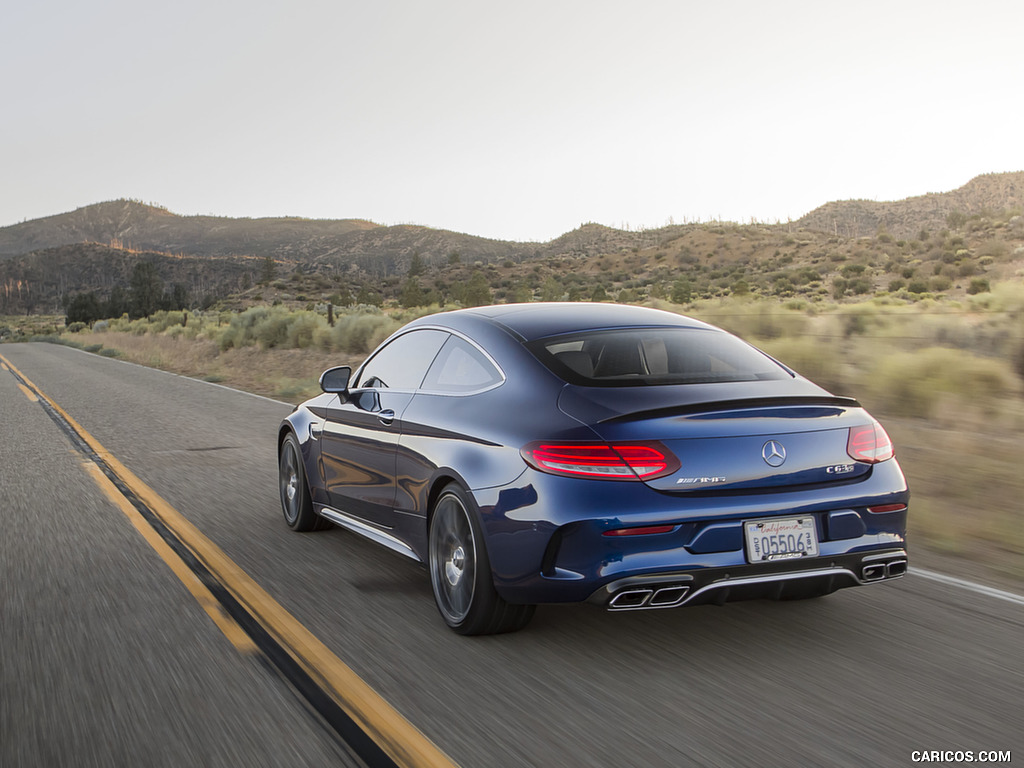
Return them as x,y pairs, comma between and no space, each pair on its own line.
991,193
956,242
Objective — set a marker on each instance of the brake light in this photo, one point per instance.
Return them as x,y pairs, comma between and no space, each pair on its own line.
602,461
869,444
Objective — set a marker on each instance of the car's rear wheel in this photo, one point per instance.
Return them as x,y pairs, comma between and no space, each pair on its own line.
460,571
295,499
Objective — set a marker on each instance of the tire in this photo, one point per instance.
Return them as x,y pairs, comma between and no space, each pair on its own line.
295,499
460,571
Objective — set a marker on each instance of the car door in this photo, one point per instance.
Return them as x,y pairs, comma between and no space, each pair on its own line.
361,430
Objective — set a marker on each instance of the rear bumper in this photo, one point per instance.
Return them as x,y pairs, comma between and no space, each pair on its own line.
718,586
546,544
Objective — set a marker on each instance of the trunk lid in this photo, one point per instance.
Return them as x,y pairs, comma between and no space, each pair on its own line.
750,437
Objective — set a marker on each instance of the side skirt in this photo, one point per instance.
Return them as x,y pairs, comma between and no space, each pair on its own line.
367,531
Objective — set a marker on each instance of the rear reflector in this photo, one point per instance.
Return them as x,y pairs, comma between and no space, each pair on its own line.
883,508
869,444
621,461
641,531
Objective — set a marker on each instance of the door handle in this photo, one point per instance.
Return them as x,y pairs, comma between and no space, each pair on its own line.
386,417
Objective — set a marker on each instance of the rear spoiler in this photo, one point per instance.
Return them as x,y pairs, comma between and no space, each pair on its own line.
724,406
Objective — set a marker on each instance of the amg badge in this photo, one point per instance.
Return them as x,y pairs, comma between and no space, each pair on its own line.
699,480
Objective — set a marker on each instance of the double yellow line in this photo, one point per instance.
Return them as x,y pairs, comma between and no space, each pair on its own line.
395,736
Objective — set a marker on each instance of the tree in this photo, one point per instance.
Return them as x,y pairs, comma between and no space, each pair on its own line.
682,291
476,292
551,290
176,297
147,289
369,296
268,271
84,308
520,293
117,304
412,295
415,265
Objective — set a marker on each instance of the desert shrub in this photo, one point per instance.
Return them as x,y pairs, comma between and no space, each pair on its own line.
362,331
911,383
162,320
979,285
240,331
752,320
302,330
100,326
809,357
76,327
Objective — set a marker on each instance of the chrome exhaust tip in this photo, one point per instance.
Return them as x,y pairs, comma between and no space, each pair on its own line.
874,572
895,569
630,599
668,597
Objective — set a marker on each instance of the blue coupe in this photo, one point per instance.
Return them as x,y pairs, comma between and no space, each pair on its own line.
634,458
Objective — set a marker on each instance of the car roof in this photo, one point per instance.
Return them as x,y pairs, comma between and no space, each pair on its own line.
538,320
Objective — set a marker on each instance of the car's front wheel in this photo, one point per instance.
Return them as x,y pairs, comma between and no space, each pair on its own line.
295,499
460,571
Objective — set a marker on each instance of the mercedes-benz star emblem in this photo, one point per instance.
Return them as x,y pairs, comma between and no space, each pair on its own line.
773,453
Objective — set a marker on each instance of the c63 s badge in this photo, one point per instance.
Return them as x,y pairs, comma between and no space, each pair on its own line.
840,469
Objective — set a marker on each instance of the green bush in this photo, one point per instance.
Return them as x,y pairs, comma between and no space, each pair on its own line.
917,286
362,331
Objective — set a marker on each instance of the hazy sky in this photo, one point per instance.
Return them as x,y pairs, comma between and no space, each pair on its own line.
517,120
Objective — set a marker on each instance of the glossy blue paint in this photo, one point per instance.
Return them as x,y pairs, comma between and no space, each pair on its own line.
544,532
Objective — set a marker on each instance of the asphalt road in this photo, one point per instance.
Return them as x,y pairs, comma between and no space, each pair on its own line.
106,659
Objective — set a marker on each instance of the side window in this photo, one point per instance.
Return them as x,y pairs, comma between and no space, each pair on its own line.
459,368
402,363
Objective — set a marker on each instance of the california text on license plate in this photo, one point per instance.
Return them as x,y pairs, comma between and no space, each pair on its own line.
785,539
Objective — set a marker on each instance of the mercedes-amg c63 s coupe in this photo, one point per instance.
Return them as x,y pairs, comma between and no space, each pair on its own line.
633,458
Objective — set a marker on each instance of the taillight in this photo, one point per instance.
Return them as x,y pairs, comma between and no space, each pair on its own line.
869,444
602,461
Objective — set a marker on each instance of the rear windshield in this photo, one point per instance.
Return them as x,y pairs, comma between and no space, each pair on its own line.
652,356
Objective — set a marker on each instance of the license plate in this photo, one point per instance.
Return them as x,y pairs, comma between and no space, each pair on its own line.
786,539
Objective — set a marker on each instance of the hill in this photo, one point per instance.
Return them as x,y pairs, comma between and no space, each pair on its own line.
991,194
949,243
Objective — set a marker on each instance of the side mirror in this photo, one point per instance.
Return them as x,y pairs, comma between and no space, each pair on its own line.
335,380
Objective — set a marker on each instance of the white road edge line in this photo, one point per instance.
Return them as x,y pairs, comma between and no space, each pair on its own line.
179,375
971,586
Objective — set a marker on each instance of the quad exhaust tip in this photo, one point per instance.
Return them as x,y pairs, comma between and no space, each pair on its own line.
895,569
647,597
891,569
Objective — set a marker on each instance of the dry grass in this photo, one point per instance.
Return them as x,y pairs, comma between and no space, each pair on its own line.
285,374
